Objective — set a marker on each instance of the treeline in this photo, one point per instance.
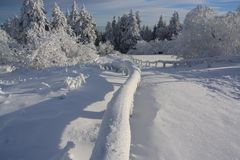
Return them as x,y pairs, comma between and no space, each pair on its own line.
124,32
33,23
34,40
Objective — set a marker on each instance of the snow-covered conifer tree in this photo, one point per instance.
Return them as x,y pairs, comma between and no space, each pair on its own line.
116,40
174,25
161,30
146,33
74,14
130,32
109,32
85,27
59,22
9,49
137,14
33,22
11,26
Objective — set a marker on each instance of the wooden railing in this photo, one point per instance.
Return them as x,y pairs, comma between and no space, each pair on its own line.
184,62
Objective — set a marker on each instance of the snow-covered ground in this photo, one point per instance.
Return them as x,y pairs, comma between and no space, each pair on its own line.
187,114
42,118
179,113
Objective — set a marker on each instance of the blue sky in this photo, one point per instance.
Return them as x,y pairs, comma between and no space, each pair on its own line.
104,10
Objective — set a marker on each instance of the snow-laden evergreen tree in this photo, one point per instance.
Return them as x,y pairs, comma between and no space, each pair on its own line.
9,49
11,26
124,33
109,32
137,14
116,40
85,27
74,15
238,9
59,22
174,25
130,32
101,37
33,22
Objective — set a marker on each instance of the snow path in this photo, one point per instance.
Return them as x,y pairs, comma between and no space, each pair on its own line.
50,127
189,114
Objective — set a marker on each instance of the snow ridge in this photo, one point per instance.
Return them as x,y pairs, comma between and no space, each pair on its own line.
114,138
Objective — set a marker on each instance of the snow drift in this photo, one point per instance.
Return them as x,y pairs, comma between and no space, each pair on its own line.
114,137
75,82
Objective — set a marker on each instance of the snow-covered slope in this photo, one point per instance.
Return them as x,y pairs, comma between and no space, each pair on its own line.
187,114
41,119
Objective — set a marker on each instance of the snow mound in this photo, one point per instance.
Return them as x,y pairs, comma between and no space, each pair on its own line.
114,138
73,83
7,69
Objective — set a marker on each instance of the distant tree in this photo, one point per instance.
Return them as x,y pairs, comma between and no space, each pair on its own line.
160,30
11,26
137,14
238,9
146,33
101,38
123,33
109,32
130,32
174,25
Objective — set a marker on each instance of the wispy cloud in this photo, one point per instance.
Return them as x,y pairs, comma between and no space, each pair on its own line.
104,10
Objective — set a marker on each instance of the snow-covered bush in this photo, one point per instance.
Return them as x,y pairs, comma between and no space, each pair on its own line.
105,48
205,34
6,69
73,83
60,49
9,49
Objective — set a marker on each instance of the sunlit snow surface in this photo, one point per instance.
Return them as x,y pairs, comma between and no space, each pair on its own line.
187,113
41,118
179,113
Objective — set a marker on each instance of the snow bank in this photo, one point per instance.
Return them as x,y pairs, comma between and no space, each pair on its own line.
114,62
114,137
6,69
73,83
